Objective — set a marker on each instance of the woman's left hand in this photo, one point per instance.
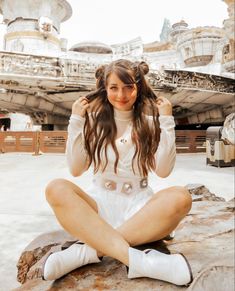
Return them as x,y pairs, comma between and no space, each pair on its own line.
164,106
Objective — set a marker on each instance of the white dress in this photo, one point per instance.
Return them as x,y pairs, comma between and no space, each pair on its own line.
117,204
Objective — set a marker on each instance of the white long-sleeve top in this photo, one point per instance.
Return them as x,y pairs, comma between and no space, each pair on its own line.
165,154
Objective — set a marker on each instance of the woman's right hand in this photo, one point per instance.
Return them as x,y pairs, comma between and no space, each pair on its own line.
80,106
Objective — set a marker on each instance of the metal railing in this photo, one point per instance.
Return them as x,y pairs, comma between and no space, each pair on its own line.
33,141
190,141
187,141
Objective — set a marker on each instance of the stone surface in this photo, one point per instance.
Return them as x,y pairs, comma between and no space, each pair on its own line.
205,237
200,193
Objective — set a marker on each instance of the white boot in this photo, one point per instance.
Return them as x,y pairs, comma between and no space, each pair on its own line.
154,264
60,263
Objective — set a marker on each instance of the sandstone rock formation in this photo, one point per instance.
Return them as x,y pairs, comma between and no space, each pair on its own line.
205,237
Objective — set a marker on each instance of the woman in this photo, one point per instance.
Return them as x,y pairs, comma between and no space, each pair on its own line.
123,131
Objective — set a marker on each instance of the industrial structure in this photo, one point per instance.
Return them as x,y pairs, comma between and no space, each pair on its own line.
193,67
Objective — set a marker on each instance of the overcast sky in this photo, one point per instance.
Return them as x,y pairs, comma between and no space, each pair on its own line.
115,21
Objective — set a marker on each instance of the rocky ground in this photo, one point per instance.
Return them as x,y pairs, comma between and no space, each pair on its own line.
205,237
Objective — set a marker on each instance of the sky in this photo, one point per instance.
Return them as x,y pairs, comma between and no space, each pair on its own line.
117,21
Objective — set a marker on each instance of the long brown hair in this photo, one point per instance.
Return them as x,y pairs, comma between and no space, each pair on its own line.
100,128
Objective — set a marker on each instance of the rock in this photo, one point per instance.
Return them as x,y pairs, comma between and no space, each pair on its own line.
200,193
216,277
205,237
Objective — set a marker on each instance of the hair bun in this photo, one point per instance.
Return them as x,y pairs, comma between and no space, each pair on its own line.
99,72
144,67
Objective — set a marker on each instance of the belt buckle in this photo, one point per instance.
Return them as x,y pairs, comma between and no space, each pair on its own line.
110,185
127,187
144,183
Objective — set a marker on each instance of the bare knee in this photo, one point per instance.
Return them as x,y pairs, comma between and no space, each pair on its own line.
182,199
56,191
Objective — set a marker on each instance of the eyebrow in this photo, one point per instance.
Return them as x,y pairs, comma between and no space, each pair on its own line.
113,84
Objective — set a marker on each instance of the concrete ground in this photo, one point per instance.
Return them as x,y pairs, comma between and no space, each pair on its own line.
24,213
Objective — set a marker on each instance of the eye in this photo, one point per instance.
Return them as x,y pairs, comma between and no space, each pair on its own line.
129,87
113,88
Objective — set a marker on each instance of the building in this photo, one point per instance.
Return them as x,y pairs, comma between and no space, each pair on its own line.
40,77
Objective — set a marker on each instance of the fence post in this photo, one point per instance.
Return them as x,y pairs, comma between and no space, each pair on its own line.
37,144
2,143
192,142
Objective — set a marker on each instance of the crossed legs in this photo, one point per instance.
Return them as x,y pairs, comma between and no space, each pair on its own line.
77,213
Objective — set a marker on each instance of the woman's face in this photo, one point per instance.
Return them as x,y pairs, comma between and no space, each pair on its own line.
121,96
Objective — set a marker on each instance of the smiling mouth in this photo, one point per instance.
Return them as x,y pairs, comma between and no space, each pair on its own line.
122,102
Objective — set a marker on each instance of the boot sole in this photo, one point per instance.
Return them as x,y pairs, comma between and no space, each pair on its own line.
190,270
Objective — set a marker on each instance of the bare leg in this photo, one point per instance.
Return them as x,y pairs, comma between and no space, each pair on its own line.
158,217
77,213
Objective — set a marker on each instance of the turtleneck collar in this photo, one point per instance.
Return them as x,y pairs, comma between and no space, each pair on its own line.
122,115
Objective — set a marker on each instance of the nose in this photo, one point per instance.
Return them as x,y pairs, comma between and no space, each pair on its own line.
121,94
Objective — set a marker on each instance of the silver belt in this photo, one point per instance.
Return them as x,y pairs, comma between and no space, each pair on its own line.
125,187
